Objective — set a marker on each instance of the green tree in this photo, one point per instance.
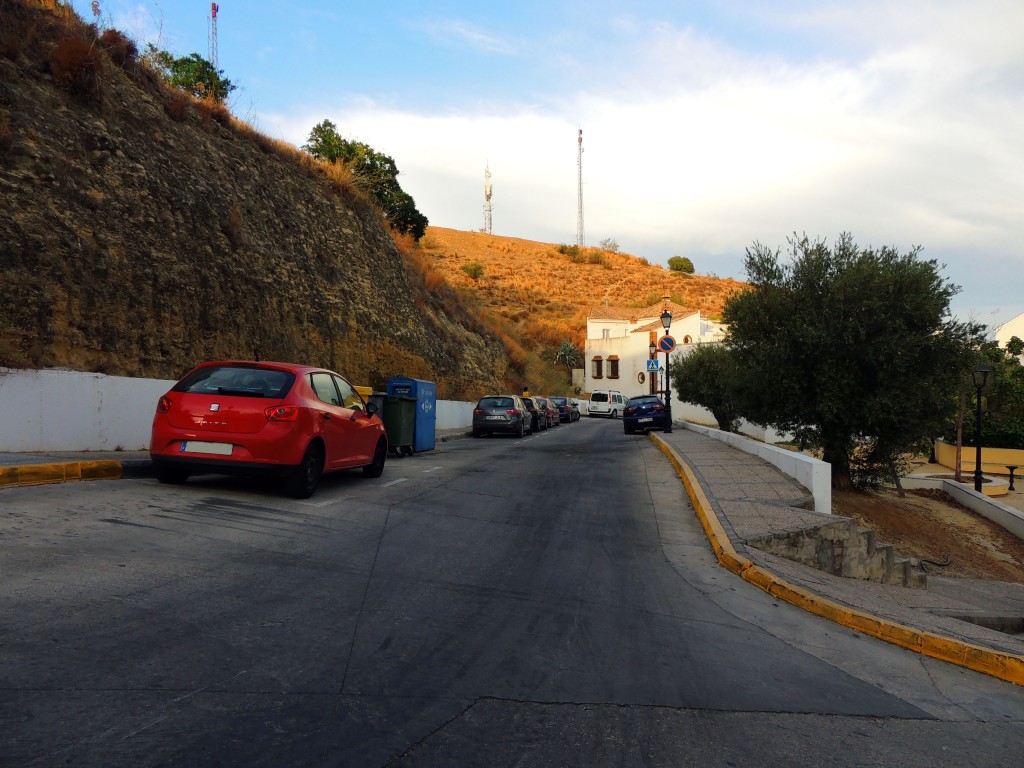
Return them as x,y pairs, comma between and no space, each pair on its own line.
569,355
680,264
852,350
1002,399
375,173
191,73
708,377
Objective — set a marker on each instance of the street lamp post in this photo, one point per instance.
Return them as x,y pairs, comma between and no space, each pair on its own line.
666,321
980,375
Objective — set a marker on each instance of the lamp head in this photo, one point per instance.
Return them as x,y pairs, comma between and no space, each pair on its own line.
980,375
666,319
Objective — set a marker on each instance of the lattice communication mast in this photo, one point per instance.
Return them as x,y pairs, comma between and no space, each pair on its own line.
213,35
580,239
487,200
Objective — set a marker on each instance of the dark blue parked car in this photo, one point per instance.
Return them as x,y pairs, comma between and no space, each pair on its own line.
643,413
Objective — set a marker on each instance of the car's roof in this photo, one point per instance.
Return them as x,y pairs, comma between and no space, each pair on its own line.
271,364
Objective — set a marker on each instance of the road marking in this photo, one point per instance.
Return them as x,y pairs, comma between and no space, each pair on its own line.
431,469
395,482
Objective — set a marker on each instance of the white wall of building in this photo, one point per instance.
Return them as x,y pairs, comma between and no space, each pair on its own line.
57,410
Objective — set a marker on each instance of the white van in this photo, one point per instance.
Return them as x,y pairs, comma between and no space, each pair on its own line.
606,402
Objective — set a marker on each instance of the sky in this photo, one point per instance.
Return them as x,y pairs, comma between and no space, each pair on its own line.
708,126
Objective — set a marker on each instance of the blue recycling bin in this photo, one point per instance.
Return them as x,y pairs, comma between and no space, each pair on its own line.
425,394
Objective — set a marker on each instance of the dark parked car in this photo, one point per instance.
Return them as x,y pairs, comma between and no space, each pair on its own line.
643,413
568,409
536,422
500,413
552,410
544,409
265,419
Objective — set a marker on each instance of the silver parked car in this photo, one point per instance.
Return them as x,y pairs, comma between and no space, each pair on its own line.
501,414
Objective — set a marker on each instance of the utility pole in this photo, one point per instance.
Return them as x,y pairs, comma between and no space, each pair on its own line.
580,239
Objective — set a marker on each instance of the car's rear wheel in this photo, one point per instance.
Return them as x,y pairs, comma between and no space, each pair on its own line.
614,414
171,475
521,431
380,455
303,481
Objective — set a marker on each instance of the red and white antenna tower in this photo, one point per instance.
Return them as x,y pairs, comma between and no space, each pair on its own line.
580,240
213,35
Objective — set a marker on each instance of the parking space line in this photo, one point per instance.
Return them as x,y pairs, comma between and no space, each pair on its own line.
431,469
395,482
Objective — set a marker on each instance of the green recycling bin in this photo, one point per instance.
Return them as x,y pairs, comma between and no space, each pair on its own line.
400,423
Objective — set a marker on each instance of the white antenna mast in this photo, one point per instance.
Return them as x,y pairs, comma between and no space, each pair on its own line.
580,240
487,200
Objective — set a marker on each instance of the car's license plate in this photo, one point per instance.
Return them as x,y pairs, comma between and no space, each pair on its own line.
496,418
200,446
641,421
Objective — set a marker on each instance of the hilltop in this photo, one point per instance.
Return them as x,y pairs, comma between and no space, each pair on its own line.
543,291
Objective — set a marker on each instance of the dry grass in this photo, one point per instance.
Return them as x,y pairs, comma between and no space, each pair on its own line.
77,67
541,292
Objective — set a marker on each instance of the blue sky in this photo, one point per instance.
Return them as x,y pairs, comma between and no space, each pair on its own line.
707,125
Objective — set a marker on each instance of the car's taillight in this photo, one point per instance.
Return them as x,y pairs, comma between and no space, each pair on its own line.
282,413
630,410
477,411
659,407
164,405
512,411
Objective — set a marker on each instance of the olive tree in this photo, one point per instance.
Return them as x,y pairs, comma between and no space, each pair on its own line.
851,349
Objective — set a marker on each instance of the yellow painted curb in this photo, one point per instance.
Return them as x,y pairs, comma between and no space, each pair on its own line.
1005,666
41,474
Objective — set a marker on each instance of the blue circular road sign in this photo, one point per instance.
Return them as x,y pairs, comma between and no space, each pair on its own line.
666,344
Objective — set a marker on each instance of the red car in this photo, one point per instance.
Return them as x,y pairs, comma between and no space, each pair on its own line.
268,419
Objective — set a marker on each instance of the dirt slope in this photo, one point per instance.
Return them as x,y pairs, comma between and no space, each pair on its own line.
934,527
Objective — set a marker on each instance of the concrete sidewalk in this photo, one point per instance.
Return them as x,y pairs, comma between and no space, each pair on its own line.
742,498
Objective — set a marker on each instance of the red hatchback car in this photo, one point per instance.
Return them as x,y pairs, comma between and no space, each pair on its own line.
269,419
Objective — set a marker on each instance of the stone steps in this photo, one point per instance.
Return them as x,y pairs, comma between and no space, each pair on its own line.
843,548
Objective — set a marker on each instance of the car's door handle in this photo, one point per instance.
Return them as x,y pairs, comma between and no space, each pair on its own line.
327,417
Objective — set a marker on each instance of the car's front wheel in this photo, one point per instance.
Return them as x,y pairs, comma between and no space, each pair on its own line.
303,481
380,455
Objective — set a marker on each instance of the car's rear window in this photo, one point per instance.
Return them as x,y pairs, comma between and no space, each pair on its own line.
599,397
241,381
559,401
496,402
645,400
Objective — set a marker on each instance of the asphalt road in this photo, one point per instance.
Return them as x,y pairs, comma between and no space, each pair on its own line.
549,601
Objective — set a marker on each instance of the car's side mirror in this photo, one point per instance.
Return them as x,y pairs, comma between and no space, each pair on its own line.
371,408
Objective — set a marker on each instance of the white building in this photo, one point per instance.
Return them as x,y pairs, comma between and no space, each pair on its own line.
1009,329
618,345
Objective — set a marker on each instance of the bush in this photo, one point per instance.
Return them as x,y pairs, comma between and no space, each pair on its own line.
121,49
610,245
680,264
177,107
77,67
474,270
596,258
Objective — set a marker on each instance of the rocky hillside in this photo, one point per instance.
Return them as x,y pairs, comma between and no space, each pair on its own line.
142,231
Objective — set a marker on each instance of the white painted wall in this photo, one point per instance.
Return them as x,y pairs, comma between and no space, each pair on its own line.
57,410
